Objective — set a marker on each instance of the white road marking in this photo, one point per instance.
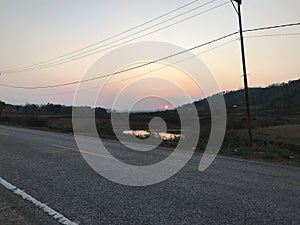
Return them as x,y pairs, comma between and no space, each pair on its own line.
76,150
4,134
51,212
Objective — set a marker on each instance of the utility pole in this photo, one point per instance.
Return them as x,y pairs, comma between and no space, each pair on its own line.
239,2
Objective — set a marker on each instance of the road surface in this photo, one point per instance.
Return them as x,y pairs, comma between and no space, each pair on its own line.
48,167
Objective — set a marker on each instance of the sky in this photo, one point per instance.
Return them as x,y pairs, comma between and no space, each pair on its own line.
34,31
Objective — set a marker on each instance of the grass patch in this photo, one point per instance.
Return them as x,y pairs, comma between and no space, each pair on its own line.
279,144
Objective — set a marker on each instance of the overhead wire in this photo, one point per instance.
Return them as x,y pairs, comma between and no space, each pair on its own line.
145,73
120,71
272,27
141,36
273,35
80,56
151,62
70,57
111,37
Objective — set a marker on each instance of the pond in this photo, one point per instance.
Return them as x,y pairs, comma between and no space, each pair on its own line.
146,133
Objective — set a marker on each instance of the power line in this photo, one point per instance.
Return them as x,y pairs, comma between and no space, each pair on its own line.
272,27
172,64
151,62
120,71
86,53
148,72
70,57
273,35
80,56
141,36
111,37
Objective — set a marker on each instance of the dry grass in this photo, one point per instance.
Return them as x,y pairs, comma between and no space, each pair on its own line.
63,124
285,133
275,143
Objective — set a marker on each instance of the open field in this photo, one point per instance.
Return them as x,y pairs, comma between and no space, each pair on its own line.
280,143
284,133
275,119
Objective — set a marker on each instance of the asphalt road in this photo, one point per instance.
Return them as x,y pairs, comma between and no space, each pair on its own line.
47,166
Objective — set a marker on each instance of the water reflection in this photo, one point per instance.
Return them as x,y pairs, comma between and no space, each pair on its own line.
145,134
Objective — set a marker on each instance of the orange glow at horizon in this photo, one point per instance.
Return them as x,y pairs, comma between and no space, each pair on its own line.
158,80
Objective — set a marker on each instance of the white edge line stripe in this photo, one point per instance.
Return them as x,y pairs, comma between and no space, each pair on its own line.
54,214
4,134
75,150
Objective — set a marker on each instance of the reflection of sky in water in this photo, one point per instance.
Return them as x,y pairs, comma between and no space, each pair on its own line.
144,134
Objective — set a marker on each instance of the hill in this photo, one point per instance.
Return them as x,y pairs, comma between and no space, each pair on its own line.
276,96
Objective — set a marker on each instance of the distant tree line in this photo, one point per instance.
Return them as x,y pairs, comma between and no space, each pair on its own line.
48,109
284,96
275,96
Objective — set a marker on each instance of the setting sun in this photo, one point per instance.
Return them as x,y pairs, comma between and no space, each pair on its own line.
149,112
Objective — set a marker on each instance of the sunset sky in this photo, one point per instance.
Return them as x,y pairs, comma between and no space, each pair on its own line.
34,31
